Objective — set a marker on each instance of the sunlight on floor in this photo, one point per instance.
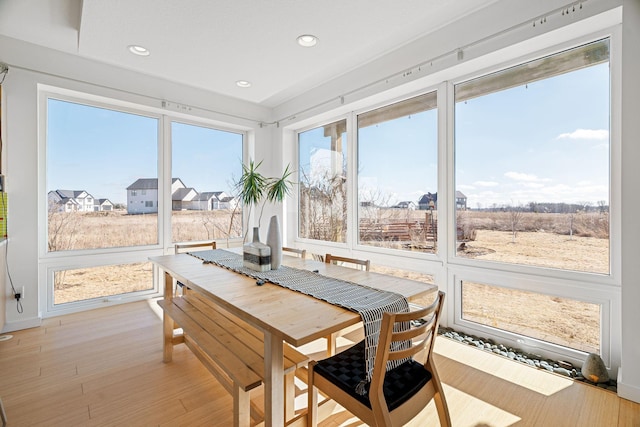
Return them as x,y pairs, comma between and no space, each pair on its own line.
537,380
468,410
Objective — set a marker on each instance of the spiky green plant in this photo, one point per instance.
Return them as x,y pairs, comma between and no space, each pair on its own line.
255,188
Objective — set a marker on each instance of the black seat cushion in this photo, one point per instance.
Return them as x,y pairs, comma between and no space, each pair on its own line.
346,369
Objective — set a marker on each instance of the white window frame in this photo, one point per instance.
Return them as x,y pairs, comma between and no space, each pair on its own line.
51,262
448,270
601,289
322,246
246,136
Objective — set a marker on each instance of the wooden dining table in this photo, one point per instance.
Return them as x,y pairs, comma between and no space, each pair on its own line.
282,314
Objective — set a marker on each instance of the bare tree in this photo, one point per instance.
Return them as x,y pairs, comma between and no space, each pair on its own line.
514,217
208,222
62,228
323,207
602,206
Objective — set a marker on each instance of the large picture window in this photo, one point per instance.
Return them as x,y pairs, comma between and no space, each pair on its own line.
205,162
563,321
323,182
398,175
97,161
102,192
532,163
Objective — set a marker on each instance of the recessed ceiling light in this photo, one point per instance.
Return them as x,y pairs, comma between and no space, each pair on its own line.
138,50
243,83
307,40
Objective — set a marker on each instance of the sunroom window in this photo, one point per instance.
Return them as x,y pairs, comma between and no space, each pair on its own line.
323,182
532,163
398,175
204,162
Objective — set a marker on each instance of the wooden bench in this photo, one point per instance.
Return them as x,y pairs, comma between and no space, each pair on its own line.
231,349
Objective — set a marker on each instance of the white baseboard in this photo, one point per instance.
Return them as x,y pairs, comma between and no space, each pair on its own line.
627,391
23,324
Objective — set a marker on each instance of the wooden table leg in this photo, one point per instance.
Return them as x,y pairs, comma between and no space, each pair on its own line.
167,322
273,381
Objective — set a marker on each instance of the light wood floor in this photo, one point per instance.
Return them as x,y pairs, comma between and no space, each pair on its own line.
104,368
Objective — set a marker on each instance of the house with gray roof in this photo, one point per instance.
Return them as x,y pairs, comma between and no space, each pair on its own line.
101,205
70,201
181,198
206,201
431,199
76,201
142,197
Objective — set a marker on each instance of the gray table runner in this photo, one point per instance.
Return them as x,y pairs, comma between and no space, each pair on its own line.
369,302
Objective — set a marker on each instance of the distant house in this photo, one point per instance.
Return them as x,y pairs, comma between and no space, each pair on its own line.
70,201
101,205
405,205
430,200
228,202
142,197
204,201
367,204
461,201
182,198
212,200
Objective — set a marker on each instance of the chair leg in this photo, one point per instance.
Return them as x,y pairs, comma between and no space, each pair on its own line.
312,404
289,395
3,415
332,341
443,409
439,399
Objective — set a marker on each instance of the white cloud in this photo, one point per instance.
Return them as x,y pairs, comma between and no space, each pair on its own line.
465,187
526,177
597,134
485,184
533,185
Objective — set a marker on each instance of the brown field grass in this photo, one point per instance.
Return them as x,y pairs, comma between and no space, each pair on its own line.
539,241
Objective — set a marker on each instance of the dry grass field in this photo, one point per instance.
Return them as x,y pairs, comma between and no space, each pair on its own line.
542,240
559,320
72,231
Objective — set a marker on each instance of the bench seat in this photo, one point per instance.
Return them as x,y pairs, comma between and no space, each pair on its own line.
231,349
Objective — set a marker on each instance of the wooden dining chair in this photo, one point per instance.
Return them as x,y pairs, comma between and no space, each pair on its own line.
191,247
188,247
393,397
302,253
362,264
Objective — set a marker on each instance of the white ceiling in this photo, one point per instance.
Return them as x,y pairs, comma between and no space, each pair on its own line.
210,44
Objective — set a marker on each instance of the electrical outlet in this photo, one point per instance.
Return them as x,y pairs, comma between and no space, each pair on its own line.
22,293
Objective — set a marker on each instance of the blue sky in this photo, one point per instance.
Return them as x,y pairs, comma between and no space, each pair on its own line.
545,142
104,151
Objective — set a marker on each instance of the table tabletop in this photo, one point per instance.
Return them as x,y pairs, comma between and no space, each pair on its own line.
295,317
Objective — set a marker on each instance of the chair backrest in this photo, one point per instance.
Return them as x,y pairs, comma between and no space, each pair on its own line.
418,335
189,247
364,264
300,252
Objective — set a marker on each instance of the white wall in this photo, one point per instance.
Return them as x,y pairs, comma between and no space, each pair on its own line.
20,156
629,375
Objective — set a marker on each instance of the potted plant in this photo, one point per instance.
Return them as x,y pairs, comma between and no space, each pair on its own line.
254,189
